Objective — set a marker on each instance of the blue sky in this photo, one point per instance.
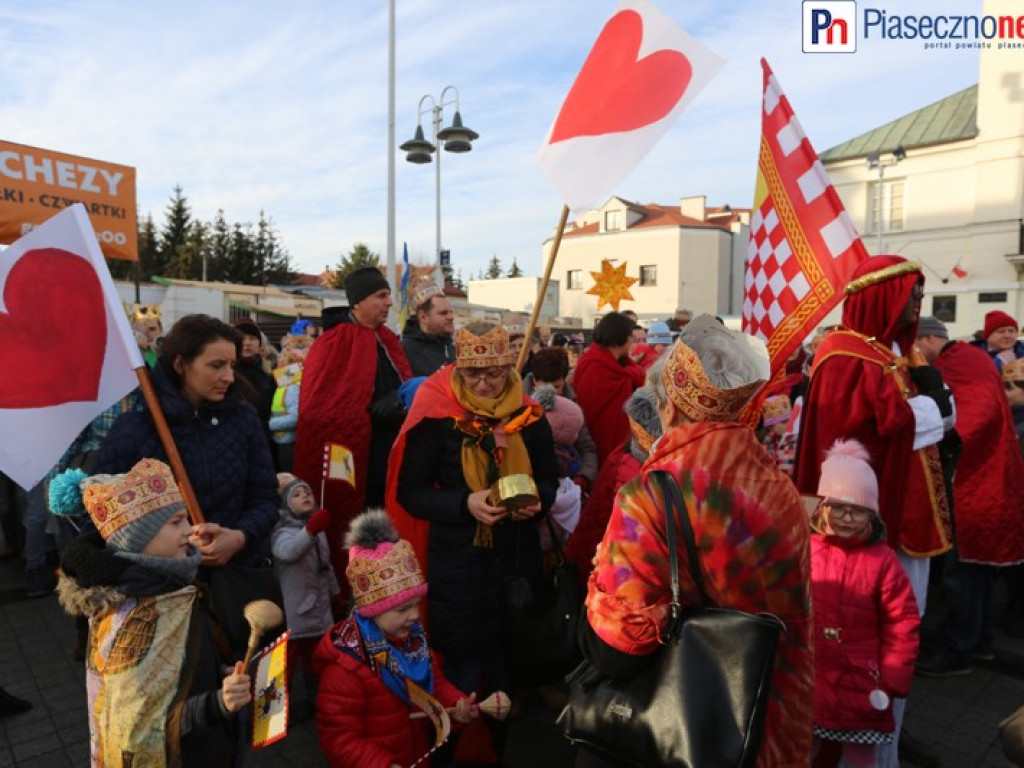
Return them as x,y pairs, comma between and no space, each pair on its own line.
283,106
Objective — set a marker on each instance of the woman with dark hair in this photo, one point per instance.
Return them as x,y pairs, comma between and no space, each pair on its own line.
218,435
604,379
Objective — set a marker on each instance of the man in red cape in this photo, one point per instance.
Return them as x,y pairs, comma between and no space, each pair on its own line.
988,498
349,396
863,387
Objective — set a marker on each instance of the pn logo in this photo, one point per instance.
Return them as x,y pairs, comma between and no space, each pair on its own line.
829,26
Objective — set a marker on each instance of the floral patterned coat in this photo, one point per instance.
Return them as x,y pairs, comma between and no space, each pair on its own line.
753,538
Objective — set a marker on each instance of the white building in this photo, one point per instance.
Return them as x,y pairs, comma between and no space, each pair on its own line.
518,294
687,256
956,201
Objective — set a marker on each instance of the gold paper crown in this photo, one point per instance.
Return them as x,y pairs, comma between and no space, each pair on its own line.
144,312
1014,370
487,351
697,398
380,583
421,290
881,275
147,488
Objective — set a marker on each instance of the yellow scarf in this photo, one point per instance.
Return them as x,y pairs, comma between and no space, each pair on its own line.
493,446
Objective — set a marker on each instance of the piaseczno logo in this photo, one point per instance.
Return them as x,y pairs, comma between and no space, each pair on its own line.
829,26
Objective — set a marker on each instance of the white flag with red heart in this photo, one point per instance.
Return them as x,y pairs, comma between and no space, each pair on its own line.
67,352
642,72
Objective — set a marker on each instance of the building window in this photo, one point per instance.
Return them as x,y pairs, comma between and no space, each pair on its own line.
944,308
612,221
892,206
649,275
992,298
574,280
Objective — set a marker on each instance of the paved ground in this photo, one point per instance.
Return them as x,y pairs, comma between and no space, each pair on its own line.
958,716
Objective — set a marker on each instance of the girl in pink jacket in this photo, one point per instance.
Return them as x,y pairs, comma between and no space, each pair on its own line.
865,616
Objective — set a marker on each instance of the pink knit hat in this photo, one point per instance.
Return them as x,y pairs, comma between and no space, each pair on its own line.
846,475
563,415
382,569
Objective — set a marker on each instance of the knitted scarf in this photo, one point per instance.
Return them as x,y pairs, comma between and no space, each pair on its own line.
493,446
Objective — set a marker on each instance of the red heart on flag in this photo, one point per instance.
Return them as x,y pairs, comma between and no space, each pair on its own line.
53,337
615,92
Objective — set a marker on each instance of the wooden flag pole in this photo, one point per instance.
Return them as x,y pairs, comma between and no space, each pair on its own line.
525,351
167,440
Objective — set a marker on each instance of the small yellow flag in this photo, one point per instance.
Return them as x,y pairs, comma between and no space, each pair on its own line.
270,694
339,464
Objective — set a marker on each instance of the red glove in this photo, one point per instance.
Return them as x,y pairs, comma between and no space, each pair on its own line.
583,483
318,521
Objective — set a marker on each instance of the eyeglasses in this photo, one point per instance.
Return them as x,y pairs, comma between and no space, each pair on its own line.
1011,384
492,375
847,512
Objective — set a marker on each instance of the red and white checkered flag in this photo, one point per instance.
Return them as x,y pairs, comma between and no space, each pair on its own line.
803,245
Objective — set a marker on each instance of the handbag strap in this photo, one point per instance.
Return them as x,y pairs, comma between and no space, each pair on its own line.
675,508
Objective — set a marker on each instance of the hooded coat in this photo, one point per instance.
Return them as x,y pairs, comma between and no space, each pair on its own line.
603,385
427,352
859,390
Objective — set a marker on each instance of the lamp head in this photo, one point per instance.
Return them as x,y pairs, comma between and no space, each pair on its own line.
899,153
872,159
456,137
418,149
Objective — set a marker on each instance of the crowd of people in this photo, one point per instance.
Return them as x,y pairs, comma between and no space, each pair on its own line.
889,457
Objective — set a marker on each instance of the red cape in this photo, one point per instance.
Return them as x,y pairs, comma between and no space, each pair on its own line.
858,390
602,387
337,386
988,490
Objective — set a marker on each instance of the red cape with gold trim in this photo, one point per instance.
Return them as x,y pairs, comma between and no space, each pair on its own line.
988,491
337,386
859,390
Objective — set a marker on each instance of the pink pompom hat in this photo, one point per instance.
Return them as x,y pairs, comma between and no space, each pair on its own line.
847,476
382,569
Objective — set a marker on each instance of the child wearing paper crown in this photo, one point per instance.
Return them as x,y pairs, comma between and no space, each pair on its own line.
865,616
375,667
156,692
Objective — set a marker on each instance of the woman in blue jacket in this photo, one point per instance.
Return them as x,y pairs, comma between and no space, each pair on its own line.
218,434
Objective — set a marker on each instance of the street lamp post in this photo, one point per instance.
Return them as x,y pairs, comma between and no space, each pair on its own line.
456,138
876,160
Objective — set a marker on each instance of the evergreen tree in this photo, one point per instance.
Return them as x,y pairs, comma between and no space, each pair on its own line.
514,270
274,261
148,243
173,236
242,263
494,268
219,262
359,256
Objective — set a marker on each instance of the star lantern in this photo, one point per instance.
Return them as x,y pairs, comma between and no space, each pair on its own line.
611,285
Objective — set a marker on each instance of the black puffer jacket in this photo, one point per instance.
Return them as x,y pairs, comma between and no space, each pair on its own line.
464,600
94,580
225,454
427,352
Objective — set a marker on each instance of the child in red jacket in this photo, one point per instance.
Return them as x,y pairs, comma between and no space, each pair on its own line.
375,666
865,616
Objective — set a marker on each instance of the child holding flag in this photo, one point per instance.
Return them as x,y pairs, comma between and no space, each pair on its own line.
375,667
302,562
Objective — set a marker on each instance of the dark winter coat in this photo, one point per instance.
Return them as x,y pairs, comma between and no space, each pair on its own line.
258,388
225,454
360,721
94,580
464,601
427,352
866,625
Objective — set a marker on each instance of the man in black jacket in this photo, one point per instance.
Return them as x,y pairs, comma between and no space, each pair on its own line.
427,336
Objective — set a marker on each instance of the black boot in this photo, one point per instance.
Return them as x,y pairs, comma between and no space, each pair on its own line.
915,751
12,705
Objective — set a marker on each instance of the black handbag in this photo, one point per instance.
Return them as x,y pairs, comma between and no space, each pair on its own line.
539,626
701,701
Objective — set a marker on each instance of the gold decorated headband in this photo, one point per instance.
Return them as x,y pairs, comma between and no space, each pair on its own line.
695,396
881,275
643,438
